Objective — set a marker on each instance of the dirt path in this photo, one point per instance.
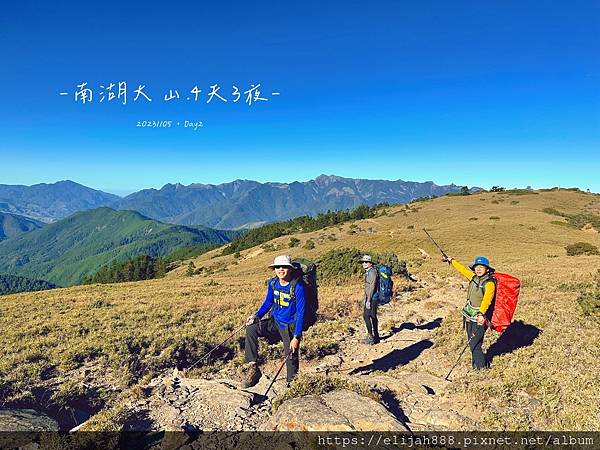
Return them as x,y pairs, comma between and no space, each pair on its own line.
401,366
401,363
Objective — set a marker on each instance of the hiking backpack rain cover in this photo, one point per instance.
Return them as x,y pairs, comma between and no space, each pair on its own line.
505,301
386,284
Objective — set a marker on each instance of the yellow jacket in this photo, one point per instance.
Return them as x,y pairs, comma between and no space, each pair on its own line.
489,287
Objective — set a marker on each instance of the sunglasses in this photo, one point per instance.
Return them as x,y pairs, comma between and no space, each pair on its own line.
281,267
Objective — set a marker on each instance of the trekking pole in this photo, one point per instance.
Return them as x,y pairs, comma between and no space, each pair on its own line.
486,324
206,355
436,244
278,371
459,356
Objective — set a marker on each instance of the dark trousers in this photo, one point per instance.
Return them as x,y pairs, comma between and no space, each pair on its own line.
268,329
370,316
476,333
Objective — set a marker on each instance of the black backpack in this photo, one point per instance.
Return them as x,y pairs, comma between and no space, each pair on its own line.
305,272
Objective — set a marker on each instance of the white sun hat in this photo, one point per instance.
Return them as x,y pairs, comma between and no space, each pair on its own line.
283,260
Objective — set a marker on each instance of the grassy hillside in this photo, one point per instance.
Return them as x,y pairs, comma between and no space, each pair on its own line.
112,336
67,251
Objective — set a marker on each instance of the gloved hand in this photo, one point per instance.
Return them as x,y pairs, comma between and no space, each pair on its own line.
252,318
446,258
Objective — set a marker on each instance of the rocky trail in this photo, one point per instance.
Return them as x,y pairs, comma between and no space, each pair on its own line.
401,383
399,368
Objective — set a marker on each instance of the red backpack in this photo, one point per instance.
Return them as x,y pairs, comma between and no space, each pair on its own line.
505,301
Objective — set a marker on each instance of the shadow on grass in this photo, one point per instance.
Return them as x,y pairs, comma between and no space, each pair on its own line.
436,323
68,412
396,358
517,335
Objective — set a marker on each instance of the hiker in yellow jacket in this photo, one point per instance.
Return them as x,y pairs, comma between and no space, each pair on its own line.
480,295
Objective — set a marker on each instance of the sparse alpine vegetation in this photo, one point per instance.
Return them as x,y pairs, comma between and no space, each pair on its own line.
589,298
112,337
341,264
302,224
581,248
578,220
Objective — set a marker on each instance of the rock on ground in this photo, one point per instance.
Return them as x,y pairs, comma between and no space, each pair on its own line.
339,410
199,404
26,420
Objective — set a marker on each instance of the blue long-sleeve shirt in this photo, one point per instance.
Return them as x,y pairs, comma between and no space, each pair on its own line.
285,311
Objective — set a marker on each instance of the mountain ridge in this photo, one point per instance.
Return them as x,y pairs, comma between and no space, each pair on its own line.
240,203
66,251
49,202
12,225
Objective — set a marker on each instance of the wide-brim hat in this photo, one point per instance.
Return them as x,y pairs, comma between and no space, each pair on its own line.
283,260
365,258
481,261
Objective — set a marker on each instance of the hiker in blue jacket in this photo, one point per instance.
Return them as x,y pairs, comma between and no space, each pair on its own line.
284,323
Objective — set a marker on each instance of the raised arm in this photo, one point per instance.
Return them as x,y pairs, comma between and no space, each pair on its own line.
468,273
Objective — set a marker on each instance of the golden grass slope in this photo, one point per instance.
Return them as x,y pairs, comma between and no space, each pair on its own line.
112,336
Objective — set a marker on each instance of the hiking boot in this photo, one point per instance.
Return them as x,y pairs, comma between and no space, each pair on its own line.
368,340
250,374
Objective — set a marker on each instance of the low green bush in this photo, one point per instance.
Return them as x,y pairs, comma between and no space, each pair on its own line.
341,264
581,248
309,245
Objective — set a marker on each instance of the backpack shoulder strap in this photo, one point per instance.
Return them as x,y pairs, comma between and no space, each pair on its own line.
293,284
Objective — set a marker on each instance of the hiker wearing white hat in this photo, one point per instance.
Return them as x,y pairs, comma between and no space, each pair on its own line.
369,300
285,300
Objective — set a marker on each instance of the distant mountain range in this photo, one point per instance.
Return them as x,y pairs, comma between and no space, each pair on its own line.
12,225
62,233
244,203
67,251
241,203
50,202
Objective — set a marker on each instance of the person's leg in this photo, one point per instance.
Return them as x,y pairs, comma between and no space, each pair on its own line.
250,373
374,322
476,346
293,362
262,328
367,318
469,327
251,342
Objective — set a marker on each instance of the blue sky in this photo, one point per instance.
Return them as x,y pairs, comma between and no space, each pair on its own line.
476,93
